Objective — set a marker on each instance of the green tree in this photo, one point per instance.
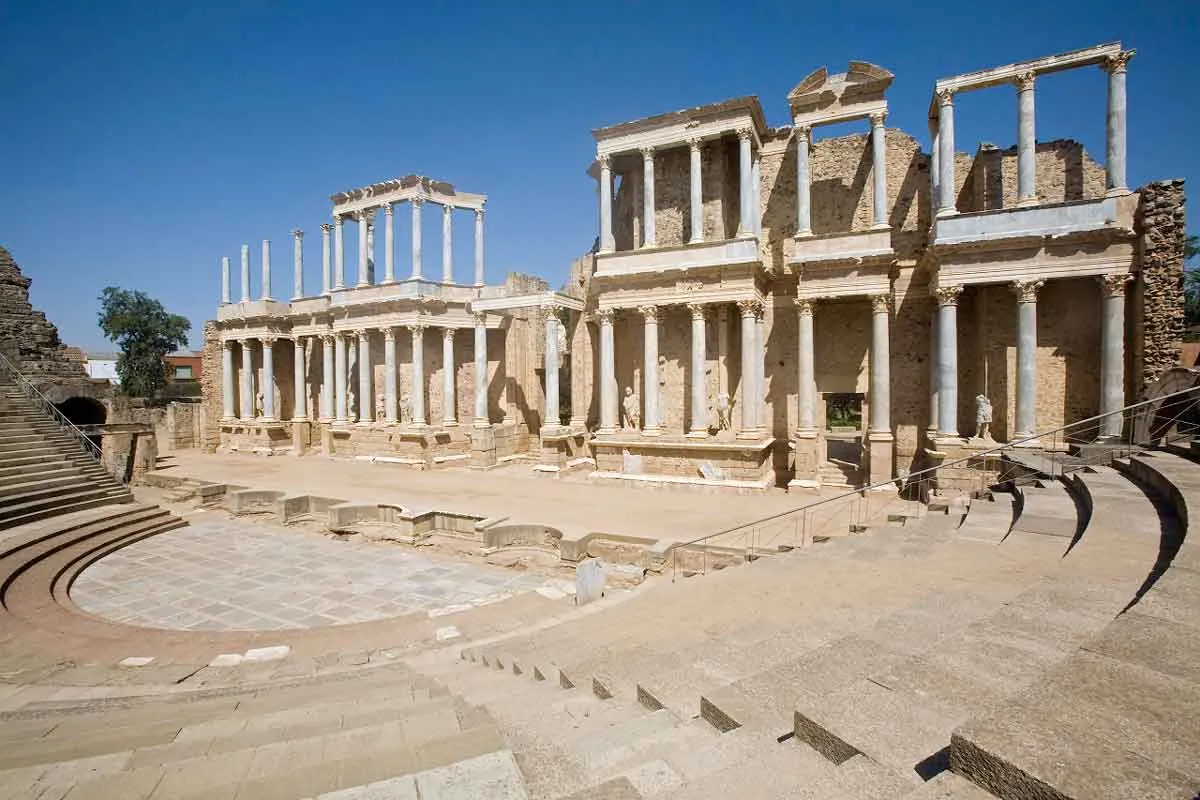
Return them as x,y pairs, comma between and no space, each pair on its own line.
1191,285
145,332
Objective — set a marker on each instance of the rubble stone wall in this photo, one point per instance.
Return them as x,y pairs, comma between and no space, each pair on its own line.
1162,230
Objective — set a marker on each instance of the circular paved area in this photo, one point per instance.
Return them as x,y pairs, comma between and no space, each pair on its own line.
221,574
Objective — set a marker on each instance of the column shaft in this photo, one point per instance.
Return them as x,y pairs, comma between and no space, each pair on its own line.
607,245
247,383
935,172
416,237
1026,140
389,376
418,374
297,264
266,269
608,374
479,247
1026,417
756,196
227,400
326,261
1115,126
225,279
749,368
341,411
449,413
299,382
948,360
880,410
946,151
364,255
366,399
699,422
245,273
447,244
339,255
879,169
550,418
389,244
648,237
697,191
327,377
803,183
481,366
745,176
268,379
651,425
934,378
1112,356
806,393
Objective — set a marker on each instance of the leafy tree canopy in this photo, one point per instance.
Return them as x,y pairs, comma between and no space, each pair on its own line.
145,332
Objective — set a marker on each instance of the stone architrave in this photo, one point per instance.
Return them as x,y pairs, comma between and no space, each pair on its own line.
589,581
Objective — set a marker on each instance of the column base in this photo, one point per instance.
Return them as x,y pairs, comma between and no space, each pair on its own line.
449,423
804,485
749,435
265,418
481,424
655,431
947,212
695,241
697,434
881,226
390,421
1030,440
1118,191
607,430
300,419
1027,201
881,447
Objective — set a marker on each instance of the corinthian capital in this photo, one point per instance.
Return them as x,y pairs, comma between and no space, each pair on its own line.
650,312
881,303
605,161
1117,63
947,295
1024,81
945,97
1114,285
605,316
698,310
750,307
804,305
326,227
1026,291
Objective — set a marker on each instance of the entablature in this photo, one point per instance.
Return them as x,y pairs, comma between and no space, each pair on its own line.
1112,214
399,190
703,255
851,246
677,128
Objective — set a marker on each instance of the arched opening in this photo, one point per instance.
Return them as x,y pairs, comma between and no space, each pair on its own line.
86,413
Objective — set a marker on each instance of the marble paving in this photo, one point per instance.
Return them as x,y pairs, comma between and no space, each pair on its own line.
227,574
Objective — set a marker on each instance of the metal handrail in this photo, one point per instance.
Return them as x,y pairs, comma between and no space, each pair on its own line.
929,471
49,408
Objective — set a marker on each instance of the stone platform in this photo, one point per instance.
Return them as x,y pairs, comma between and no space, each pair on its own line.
712,464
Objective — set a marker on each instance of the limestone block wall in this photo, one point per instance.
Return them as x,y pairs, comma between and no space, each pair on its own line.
211,377
1161,226
1065,172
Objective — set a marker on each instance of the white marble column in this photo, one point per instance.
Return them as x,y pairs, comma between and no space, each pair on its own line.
389,376
326,262
297,264
449,401
389,243
648,232
447,244
299,381
1026,417
481,366
1026,140
341,412
806,374
479,247
756,197
745,177
879,169
339,254
416,236
750,359
327,377
932,429
608,373
266,269
225,280
366,398
245,273
418,373
268,379
880,409
247,383
803,182
698,429
1112,355
364,222
946,151
1114,166
550,415
935,172
607,244
651,422
227,400
760,368
697,190
947,297
351,364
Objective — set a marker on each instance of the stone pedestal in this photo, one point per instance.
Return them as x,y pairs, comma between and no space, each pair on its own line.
881,453
679,462
483,447
301,437
807,458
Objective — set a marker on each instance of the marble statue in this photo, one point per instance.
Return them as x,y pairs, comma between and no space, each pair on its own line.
258,404
724,407
380,407
983,417
405,408
632,405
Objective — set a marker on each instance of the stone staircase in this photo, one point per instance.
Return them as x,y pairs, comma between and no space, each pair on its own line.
867,666
44,471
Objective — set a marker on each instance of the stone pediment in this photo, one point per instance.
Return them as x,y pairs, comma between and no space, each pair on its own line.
819,91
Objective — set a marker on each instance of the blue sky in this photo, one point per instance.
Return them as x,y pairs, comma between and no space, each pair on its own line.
143,140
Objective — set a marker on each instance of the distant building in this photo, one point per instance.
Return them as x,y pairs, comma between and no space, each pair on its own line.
183,365
102,366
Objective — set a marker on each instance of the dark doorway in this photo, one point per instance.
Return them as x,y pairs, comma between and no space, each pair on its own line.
86,413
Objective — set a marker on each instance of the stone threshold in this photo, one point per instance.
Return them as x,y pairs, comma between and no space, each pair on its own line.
681,443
